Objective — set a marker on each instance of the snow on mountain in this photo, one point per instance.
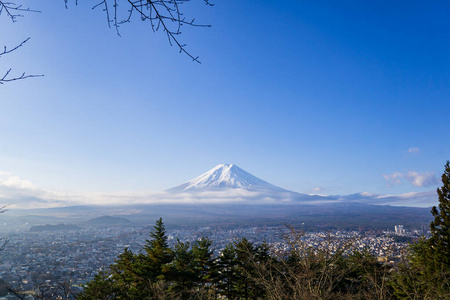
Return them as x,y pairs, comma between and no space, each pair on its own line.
227,176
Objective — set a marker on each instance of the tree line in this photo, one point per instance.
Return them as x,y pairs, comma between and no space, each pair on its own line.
243,270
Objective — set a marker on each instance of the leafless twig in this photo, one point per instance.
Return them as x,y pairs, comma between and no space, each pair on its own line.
3,241
6,77
13,10
6,51
165,15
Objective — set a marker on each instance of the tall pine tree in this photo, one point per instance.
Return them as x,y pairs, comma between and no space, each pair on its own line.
427,273
159,254
439,242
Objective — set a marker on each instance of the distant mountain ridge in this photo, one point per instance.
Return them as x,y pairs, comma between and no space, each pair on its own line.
108,220
49,227
227,176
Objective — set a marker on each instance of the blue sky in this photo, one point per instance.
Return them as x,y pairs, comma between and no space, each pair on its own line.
314,96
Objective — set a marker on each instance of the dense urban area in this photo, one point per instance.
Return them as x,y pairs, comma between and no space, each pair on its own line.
74,256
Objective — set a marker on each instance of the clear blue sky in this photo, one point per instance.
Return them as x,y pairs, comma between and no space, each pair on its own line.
313,96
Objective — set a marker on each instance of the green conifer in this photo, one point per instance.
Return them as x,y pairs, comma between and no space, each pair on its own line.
159,254
439,242
426,274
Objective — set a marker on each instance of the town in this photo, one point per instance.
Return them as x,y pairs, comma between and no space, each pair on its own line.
74,257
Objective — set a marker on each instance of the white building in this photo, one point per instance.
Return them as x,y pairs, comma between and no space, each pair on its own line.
399,230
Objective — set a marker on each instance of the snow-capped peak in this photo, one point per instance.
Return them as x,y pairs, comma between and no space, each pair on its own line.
226,176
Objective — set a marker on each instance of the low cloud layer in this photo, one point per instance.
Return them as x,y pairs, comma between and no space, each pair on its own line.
416,179
18,193
412,199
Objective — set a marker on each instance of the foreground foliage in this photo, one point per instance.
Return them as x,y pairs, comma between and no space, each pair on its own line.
242,271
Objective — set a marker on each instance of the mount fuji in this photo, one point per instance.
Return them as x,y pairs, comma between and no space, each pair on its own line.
227,176
229,183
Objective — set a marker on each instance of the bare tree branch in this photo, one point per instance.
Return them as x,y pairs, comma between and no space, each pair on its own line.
5,51
6,77
161,14
13,10
16,293
3,241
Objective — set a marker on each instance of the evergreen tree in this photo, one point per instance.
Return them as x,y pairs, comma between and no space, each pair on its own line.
101,287
204,264
129,275
426,274
192,269
136,276
236,276
159,254
227,276
439,242
181,268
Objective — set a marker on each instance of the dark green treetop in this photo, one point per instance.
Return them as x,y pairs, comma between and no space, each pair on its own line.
159,254
158,237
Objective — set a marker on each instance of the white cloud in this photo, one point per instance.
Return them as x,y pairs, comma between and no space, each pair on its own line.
317,189
420,199
20,193
421,179
16,182
393,178
413,150
416,179
6,179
